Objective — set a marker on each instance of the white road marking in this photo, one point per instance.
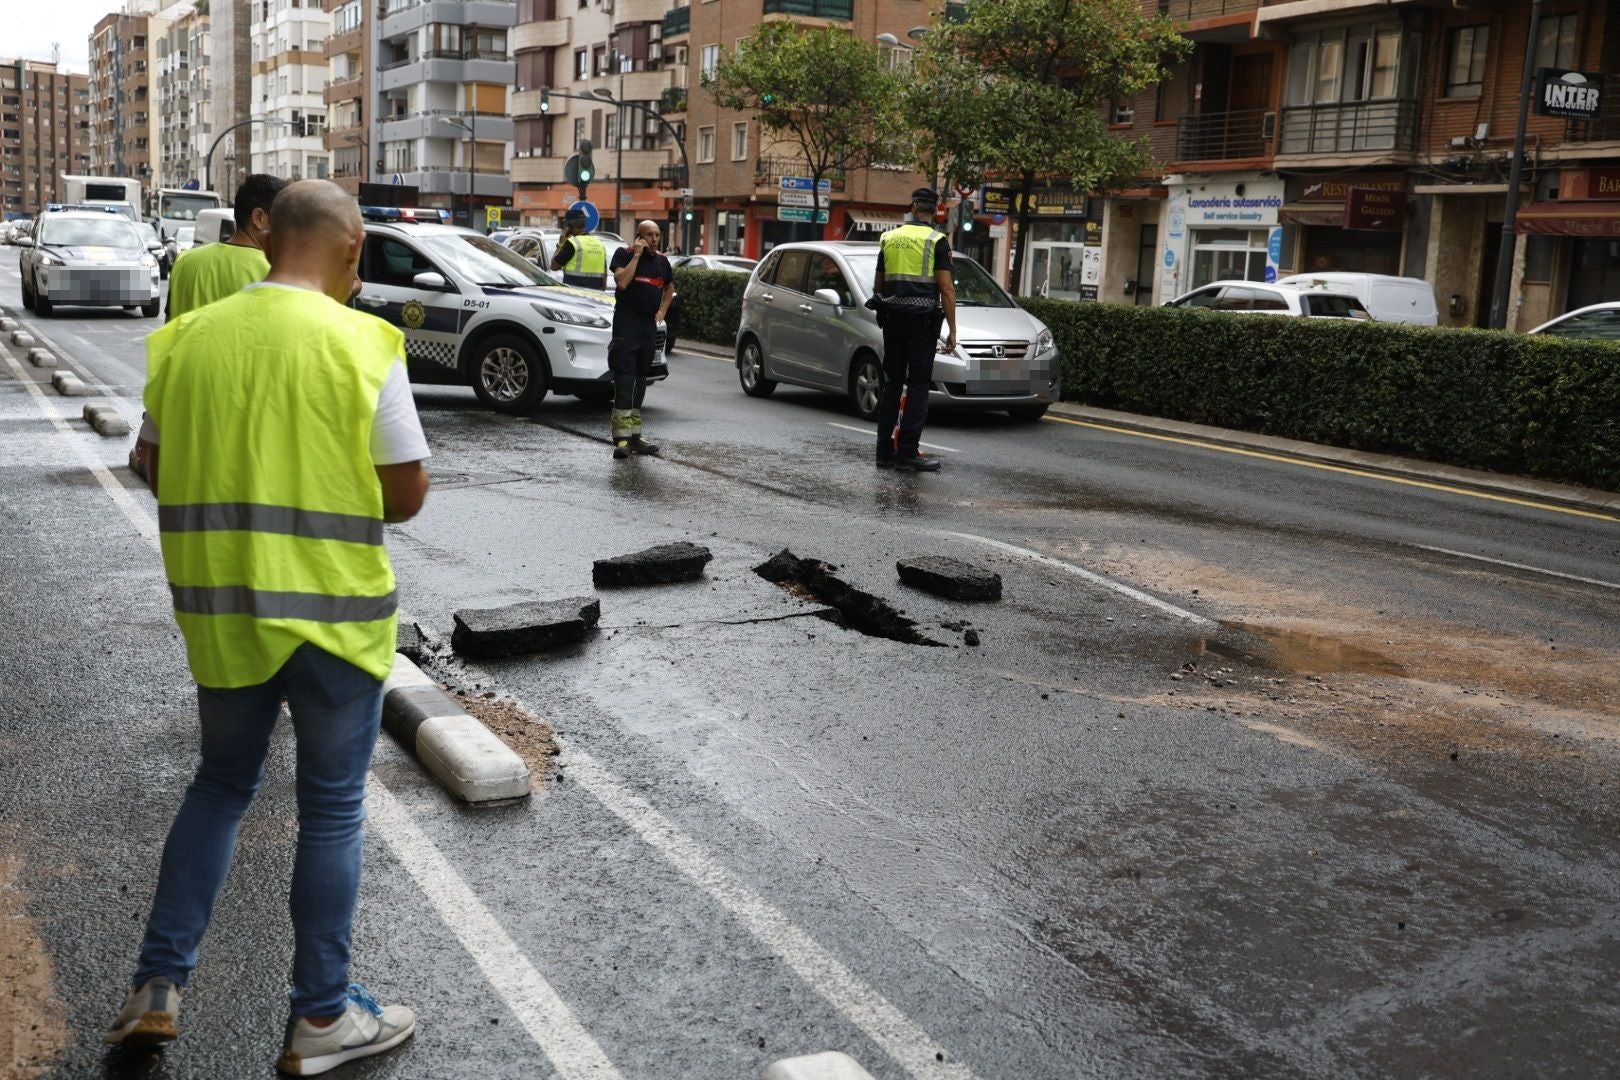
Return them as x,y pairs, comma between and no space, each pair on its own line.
869,432
1096,579
1518,566
544,1015
91,380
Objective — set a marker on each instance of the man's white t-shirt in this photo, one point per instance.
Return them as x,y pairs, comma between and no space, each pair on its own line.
396,430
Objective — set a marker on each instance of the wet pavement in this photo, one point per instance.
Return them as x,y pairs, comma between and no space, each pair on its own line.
1240,781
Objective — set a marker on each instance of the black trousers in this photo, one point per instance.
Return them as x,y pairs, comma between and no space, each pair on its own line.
630,359
909,342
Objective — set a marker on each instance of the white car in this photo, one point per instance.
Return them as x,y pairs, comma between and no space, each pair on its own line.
1262,298
87,257
476,313
1386,298
733,263
1595,322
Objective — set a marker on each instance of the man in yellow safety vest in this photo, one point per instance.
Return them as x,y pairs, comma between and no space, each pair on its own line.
581,257
283,436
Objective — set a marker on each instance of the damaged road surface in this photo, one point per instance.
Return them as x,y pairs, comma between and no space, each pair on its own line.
1241,780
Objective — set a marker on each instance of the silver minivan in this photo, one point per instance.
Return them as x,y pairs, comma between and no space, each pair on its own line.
804,322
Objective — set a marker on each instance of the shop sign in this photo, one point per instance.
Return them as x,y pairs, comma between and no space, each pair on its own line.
1577,95
995,201
1366,208
1225,206
1335,191
1602,183
1058,204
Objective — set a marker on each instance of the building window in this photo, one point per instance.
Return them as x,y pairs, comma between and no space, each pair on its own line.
581,130
705,144
1465,70
710,62
739,140
896,57
1122,112
1358,63
1555,41
582,64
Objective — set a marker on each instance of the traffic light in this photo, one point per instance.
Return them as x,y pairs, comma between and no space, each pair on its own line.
545,99
964,216
686,203
579,170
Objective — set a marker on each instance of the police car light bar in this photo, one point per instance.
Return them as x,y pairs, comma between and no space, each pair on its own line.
403,213
54,207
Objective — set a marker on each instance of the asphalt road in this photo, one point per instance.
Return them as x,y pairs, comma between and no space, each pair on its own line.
1245,779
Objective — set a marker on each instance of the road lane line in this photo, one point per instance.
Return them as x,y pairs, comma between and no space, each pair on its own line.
1518,566
869,432
1346,470
523,990
544,1015
1096,579
902,1040
92,380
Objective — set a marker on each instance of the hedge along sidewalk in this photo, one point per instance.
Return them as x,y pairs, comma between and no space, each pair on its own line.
1476,399
1488,483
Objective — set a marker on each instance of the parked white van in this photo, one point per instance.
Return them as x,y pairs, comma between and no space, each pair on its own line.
1386,298
214,226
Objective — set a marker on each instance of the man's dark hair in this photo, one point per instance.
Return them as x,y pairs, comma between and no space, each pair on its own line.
257,192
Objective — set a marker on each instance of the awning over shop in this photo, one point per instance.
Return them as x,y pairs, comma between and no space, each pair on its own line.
1311,214
879,221
1570,218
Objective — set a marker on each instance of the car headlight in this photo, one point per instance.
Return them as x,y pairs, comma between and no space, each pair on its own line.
47,260
1043,342
572,318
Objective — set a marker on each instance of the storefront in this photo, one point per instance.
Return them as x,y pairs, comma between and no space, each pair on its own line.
1219,229
1578,236
1064,261
1318,237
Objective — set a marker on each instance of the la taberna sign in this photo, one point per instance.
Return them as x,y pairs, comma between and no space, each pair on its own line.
1577,95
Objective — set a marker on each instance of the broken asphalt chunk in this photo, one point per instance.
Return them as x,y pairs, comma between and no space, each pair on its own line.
682,561
529,627
853,608
950,578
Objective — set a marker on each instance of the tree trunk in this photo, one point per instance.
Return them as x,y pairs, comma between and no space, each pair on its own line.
1026,184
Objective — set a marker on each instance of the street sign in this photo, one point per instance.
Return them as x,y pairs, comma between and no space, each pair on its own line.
795,198
593,217
793,213
686,193
802,183
398,179
492,216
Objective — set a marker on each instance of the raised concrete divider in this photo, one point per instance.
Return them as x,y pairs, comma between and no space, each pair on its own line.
460,752
7,324
41,357
105,419
829,1065
67,384
21,337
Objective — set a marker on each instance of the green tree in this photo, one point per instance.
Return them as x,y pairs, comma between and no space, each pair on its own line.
817,90
1016,91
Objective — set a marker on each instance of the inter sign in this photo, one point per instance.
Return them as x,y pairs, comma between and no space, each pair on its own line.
1577,95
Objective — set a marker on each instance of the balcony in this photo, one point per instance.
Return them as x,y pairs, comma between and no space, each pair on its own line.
1606,128
401,19
816,9
537,170
639,11
549,34
1361,128
347,89
768,172
1194,10
437,124
677,21
449,68
672,101
1228,136
526,103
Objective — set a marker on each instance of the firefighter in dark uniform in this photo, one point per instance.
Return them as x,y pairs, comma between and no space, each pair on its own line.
581,257
646,285
913,294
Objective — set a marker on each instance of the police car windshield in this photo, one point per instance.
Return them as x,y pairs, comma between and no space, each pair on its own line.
106,231
481,260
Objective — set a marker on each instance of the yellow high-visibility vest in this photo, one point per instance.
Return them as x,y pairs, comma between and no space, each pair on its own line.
908,260
212,272
588,266
269,507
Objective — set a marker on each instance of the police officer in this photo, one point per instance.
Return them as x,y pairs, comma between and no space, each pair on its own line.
913,292
582,258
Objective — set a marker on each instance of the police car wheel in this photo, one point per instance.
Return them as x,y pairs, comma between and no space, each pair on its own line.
751,370
865,384
507,375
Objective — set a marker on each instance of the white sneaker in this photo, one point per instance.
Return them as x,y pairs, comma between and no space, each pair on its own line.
151,1016
365,1028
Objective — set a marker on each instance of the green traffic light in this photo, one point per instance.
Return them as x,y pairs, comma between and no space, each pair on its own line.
584,176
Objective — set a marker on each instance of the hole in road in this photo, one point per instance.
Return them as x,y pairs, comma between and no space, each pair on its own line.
1300,650
852,608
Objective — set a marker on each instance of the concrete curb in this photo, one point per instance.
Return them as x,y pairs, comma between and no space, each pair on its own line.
106,420
829,1065
41,357
1513,487
67,384
7,323
461,753
21,337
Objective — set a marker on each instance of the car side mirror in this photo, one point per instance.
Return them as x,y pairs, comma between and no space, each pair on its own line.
827,296
25,241
430,280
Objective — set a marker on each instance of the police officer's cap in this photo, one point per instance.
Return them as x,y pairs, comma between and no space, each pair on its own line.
575,213
925,195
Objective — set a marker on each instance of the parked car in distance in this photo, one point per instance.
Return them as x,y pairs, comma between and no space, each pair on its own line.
214,226
1595,322
1260,298
804,321
1386,298
155,244
732,263
183,240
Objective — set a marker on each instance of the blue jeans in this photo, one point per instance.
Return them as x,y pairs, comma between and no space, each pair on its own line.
336,710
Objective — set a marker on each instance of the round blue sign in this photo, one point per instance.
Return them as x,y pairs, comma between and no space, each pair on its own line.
1274,246
593,217
1271,273
1169,259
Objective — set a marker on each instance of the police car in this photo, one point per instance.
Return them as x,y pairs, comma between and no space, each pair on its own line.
87,255
476,313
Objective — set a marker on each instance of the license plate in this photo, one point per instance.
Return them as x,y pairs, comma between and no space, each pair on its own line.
658,356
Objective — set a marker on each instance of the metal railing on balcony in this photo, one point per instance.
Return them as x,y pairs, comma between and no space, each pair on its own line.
1349,128
1246,133
677,21
1605,128
768,171
1190,10
820,9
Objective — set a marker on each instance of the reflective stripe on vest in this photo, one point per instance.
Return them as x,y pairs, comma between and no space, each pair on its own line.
588,266
269,507
908,260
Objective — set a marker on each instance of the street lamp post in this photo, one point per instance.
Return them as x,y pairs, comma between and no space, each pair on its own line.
208,161
680,143
471,128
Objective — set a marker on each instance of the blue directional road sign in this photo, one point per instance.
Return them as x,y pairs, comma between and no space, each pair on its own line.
802,183
593,217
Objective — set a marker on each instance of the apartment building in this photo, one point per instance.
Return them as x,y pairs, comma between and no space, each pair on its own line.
439,120
287,51
124,118
615,51
44,132
182,91
350,85
1309,135
229,100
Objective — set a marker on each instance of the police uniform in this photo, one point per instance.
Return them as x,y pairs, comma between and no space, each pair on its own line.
911,315
585,261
